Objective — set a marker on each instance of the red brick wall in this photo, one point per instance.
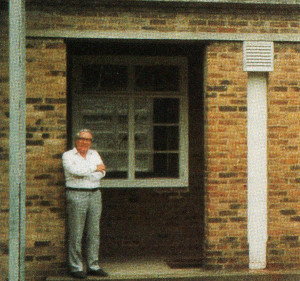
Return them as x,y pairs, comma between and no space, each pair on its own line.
92,16
226,156
284,157
46,140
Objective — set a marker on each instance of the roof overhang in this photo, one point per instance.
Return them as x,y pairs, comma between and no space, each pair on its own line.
237,3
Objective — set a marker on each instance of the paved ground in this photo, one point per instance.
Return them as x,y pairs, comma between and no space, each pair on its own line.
155,270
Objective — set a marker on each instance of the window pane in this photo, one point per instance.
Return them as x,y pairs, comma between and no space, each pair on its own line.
144,163
96,118
164,166
104,141
143,140
156,144
166,111
166,138
107,117
157,78
104,77
116,164
111,141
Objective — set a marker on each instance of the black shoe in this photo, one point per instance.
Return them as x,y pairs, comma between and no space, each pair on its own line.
78,274
100,272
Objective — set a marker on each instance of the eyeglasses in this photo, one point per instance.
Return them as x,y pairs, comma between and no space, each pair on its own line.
85,139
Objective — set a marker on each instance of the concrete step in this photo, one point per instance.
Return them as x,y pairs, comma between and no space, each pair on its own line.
210,277
145,269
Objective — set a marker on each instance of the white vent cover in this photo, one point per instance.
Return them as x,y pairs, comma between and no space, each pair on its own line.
258,56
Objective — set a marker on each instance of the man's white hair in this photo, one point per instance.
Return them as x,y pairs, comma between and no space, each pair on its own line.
81,131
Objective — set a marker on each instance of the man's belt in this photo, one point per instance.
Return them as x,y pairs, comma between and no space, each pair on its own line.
82,189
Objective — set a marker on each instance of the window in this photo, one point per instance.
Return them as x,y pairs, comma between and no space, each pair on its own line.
137,108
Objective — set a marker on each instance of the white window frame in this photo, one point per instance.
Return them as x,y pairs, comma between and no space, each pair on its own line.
181,95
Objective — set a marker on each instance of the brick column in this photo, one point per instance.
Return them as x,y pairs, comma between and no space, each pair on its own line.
46,141
226,157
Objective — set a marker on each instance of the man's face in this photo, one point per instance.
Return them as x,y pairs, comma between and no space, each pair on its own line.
83,143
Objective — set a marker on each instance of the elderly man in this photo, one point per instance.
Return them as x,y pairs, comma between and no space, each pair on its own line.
83,170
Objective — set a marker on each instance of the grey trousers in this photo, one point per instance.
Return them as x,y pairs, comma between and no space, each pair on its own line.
84,211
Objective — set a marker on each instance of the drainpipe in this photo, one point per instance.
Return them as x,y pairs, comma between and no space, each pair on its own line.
257,169
258,61
17,140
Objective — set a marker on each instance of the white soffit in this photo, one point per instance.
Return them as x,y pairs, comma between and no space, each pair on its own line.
258,56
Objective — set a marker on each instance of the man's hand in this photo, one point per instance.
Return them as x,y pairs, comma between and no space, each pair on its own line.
101,168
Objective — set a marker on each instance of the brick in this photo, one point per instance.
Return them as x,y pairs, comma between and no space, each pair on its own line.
34,142
235,206
43,176
33,100
216,220
228,108
217,88
198,22
289,238
157,22
56,100
238,219
288,212
228,175
42,243
228,213
45,136
29,258
45,258
44,107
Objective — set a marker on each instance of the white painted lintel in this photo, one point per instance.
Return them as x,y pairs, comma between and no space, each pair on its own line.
157,35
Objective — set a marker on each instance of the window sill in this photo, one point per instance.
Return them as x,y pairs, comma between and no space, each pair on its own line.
144,183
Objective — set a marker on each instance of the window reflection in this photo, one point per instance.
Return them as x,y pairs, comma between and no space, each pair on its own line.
104,77
157,78
157,152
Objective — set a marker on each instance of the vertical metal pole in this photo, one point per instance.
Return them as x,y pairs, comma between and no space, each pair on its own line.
17,140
